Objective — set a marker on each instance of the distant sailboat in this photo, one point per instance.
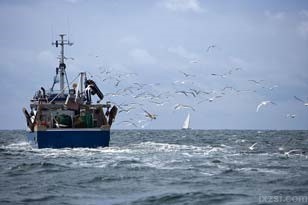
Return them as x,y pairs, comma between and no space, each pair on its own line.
186,123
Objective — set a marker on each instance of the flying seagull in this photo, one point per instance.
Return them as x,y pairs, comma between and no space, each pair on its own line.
187,74
292,151
220,75
291,115
180,106
264,103
127,110
128,123
186,93
297,98
149,115
252,147
257,82
210,47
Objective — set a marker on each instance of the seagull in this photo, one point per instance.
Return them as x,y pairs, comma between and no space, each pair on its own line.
140,95
220,75
197,92
118,82
264,103
149,115
158,103
179,82
127,74
180,106
140,85
305,103
211,99
127,110
187,74
281,148
129,89
128,123
194,61
227,87
234,69
238,91
257,82
292,151
211,46
272,87
117,93
291,115
252,147
186,93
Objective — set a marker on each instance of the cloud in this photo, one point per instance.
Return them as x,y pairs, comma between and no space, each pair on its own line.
236,61
182,5
142,56
46,57
182,52
71,1
274,15
129,40
304,13
303,29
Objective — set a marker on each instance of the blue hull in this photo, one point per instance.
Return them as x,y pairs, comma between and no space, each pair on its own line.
88,138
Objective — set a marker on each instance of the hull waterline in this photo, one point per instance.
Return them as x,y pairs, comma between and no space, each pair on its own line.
69,138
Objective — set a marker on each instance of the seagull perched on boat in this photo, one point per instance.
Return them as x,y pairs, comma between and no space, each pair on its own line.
252,147
264,103
149,115
180,106
297,98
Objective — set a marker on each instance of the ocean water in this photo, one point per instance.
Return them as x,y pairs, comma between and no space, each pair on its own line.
160,167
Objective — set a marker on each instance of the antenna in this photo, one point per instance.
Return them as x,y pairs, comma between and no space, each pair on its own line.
62,65
68,28
52,33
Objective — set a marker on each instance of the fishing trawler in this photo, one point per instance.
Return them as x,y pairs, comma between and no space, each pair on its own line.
67,117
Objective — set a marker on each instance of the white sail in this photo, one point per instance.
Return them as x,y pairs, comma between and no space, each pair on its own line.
186,122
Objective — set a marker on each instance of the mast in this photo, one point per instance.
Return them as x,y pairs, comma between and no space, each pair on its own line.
61,58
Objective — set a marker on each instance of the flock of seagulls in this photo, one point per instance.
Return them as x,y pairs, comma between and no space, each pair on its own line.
281,149
184,94
187,92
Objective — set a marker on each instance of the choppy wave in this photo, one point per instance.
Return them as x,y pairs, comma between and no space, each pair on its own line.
155,167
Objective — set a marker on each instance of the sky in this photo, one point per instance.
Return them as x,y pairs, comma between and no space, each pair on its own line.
153,43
